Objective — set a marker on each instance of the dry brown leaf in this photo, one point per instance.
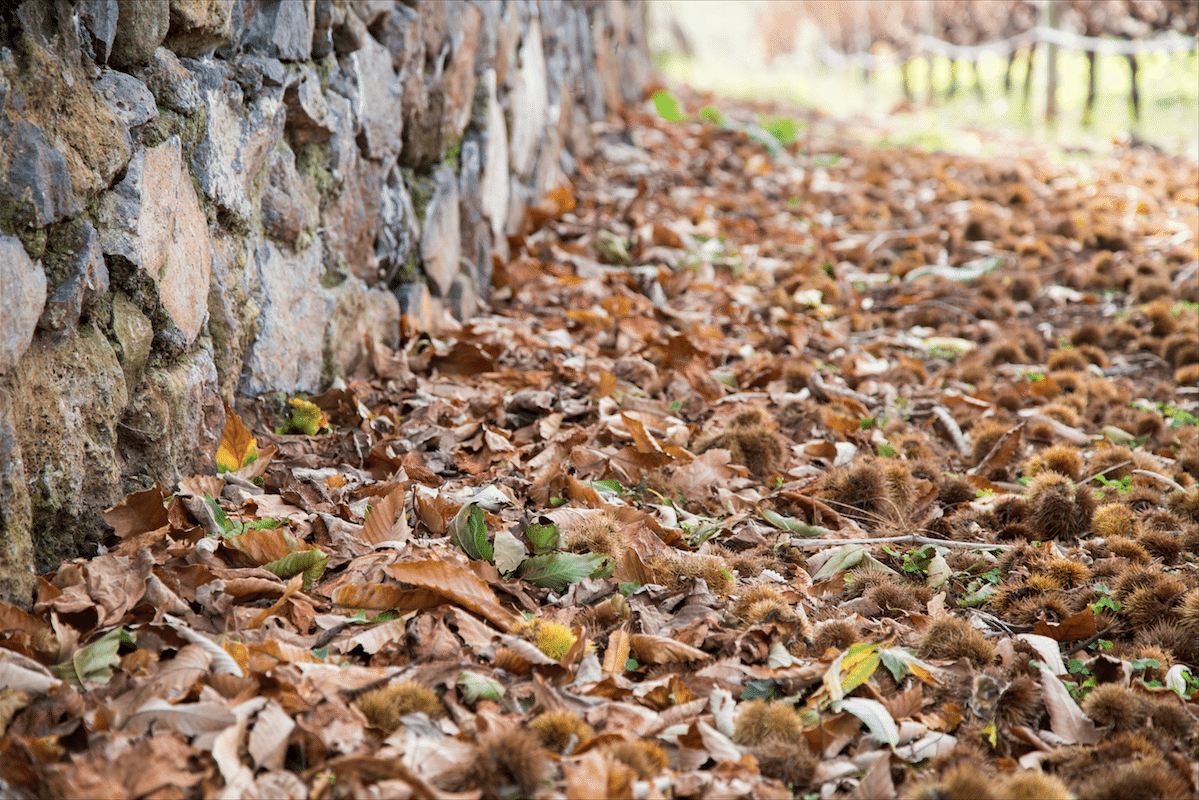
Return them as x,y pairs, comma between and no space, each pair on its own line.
663,650
386,523
458,585
617,652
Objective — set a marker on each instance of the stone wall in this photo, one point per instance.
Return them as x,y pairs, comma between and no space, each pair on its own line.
202,198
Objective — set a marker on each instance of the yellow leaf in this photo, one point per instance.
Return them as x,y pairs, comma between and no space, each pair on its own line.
306,417
238,448
858,665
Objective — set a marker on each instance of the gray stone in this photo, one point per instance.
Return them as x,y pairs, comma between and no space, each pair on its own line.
308,118
172,426
152,220
400,32
21,301
286,355
233,311
100,19
238,137
290,204
280,28
459,75
494,189
379,101
369,11
529,102
397,247
134,335
463,298
131,102
322,29
348,31
141,27
440,245
172,85
198,27
355,311
418,304
272,71
66,396
76,270
476,233
38,183
16,548
351,217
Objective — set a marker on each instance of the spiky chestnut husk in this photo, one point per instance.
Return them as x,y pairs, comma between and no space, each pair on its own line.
1094,355
1134,780
1114,519
1187,375
984,435
505,764
1115,708
1181,350
1043,582
1136,576
903,488
1185,505
893,599
552,638
834,635
561,731
1152,603
1110,463
793,764
1046,607
1019,703
673,568
1063,412
751,442
1172,637
963,782
913,446
1172,721
760,720
1060,511
596,533
644,757
1165,545
954,491
1035,785
1188,611
1142,498
953,638
1124,547
860,492
1086,333
1066,360
384,706
1025,555
1068,572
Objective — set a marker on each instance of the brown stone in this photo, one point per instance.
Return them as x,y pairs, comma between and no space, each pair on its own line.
198,26
141,27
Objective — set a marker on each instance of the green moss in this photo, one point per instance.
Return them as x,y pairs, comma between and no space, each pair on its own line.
420,189
313,160
19,219
452,156
324,71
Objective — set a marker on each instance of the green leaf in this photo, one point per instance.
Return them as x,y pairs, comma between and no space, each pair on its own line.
226,525
475,687
509,552
843,558
544,538
876,717
859,663
627,589
468,530
938,571
798,527
94,662
667,106
606,486
556,571
311,562
631,664
757,688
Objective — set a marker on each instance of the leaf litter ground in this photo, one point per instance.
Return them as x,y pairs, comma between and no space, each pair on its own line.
778,469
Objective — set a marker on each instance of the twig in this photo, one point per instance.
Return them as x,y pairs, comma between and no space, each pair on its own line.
1101,474
909,539
955,433
1159,478
1090,640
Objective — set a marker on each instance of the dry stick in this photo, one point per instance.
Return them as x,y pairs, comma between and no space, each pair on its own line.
1090,640
1159,479
909,539
1101,474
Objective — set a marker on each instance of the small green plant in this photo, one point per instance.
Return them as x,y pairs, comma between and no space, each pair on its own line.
1107,602
1122,486
667,106
1084,680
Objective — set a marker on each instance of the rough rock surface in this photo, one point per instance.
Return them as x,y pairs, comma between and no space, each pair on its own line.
204,198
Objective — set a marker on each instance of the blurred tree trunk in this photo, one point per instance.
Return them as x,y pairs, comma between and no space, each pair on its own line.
1051,67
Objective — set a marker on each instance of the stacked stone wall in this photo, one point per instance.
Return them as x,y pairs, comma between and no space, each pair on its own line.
208,198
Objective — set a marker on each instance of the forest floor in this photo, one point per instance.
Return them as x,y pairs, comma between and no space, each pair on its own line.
797,468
